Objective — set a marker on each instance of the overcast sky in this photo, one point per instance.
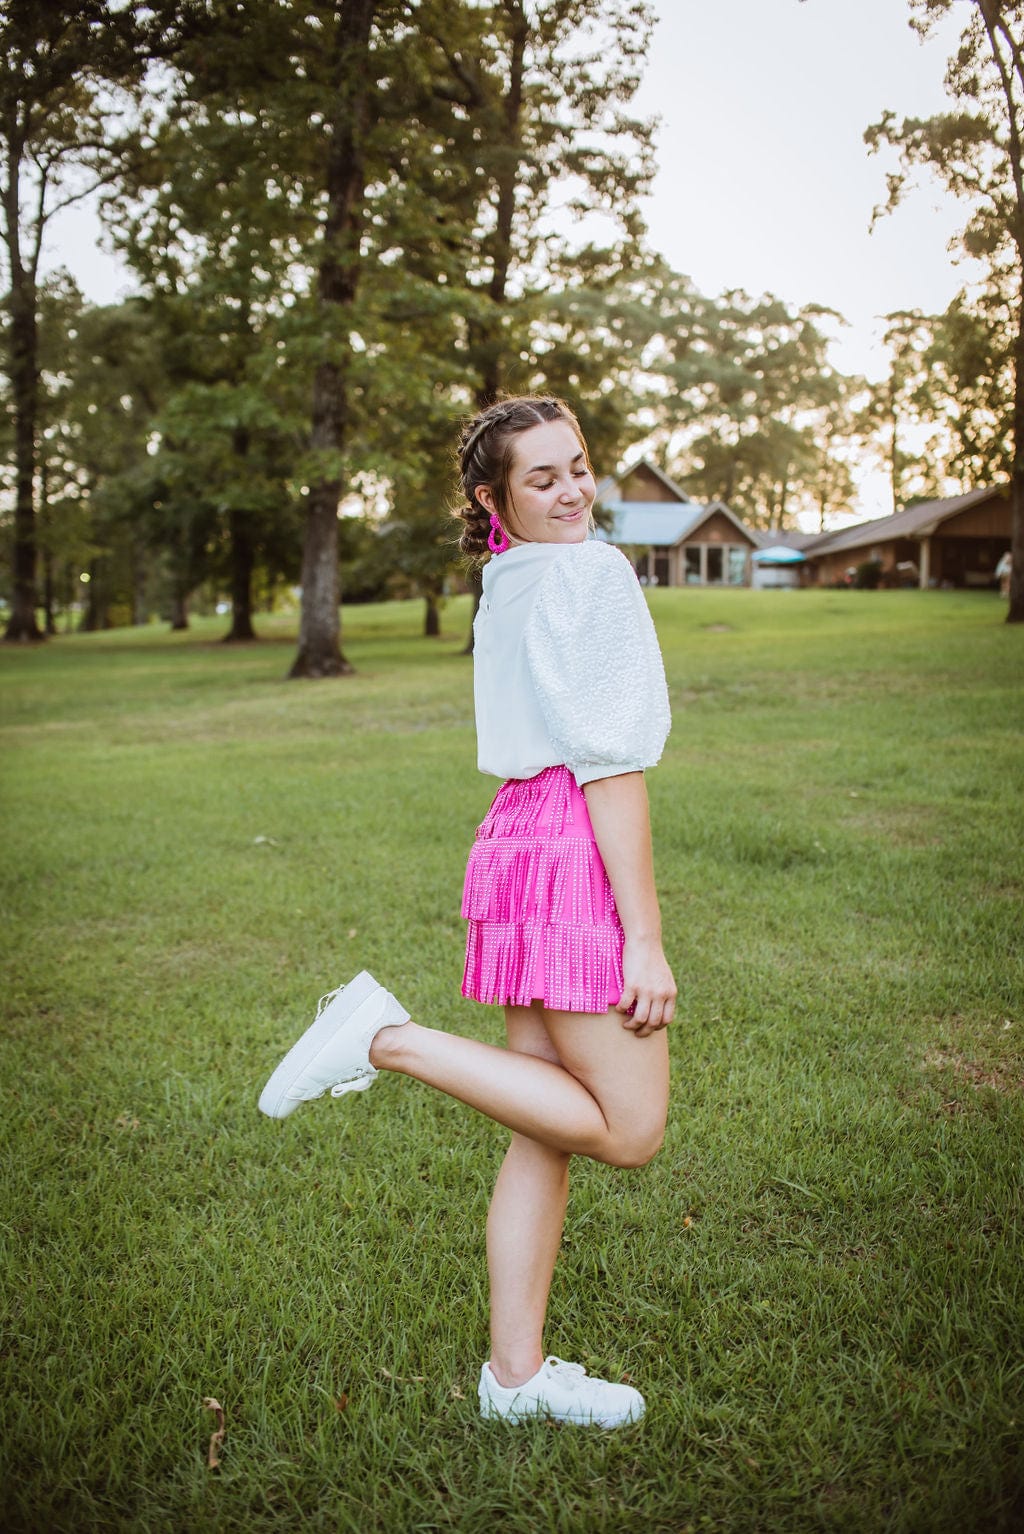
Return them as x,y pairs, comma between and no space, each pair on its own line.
765,181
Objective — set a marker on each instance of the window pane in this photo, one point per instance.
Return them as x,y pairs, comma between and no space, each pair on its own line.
737,566
692,566
715,563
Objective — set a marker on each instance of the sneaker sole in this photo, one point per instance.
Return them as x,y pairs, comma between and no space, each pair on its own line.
275,1101
490,1413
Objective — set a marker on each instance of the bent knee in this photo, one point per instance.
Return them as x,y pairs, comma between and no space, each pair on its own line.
635,1149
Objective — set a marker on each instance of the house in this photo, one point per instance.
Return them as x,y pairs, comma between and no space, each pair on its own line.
671,540
953,542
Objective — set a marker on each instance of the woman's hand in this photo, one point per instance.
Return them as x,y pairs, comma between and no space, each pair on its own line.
648,992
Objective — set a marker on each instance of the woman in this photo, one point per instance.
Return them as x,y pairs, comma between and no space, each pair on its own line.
564,926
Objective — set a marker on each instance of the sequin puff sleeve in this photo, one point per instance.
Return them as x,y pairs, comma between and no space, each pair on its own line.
594,660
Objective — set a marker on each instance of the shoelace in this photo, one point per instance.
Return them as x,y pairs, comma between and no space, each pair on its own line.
325,1001
346,1085
569,1374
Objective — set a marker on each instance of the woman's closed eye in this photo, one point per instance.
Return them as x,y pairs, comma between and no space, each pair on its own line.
548,483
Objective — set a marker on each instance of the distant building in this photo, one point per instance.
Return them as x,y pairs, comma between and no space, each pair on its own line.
671,540
956,542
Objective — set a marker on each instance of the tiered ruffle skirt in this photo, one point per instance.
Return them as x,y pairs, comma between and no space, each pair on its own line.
542,918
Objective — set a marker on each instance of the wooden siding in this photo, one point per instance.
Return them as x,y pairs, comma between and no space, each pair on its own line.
719,529
960,560
641,485
989,520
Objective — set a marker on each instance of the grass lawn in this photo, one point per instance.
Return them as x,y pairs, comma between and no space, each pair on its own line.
818,1284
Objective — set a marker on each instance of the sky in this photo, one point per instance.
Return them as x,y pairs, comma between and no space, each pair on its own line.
765,182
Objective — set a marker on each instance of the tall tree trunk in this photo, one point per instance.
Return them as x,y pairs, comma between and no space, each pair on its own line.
179,607
486,342
49,595
894,459
22,331
432,616
486,339
337,281
243,560
93,616
1015,613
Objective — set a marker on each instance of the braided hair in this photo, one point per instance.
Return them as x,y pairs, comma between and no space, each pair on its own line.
485,458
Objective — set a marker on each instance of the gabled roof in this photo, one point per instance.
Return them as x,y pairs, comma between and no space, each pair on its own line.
914,522
611,483
663,524
657,524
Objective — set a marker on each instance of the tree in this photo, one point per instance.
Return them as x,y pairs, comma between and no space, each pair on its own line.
64,70
977,151
114,382
324,88
70,74
210,246
750,396
539,98
902,401
969,362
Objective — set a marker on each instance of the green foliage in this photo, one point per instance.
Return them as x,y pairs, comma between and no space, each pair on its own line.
755,411
818,1283
977,151
971,366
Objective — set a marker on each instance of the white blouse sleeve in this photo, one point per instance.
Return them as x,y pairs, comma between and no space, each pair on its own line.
594,660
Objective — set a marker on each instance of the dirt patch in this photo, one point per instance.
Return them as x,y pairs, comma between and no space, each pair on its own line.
999,1077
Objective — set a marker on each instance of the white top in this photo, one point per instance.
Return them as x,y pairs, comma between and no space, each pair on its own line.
567,667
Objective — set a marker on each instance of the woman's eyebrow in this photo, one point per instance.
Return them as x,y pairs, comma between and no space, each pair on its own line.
549,468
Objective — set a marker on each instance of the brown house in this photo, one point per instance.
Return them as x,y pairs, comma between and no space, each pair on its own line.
671,540
955,542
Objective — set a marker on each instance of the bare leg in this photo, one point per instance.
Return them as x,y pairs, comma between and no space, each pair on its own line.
570,1083
524,1228
607,1099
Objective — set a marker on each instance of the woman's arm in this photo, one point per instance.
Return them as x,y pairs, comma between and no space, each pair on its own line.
621,820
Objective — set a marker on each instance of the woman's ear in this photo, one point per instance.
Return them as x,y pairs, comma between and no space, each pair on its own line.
485,495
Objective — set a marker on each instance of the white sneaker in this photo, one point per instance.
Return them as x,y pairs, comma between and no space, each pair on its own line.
565,1393
334,1051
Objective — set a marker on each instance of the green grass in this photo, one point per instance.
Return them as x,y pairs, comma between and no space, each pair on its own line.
818,1284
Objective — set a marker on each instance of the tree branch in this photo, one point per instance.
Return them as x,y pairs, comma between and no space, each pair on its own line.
1006,78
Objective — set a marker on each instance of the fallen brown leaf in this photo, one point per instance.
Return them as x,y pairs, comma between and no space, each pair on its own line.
217,1436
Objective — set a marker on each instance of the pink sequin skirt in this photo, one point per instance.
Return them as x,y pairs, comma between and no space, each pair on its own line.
542,918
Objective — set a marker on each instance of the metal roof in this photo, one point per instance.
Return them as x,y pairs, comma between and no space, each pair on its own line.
657,524
662,524
914,522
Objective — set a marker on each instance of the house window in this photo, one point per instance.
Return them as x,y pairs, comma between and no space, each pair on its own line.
692,567
715,564
737,566
661,576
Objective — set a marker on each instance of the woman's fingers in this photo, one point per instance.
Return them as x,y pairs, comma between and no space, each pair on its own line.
646,1011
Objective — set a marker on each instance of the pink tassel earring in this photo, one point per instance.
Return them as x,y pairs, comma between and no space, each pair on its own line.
497,538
